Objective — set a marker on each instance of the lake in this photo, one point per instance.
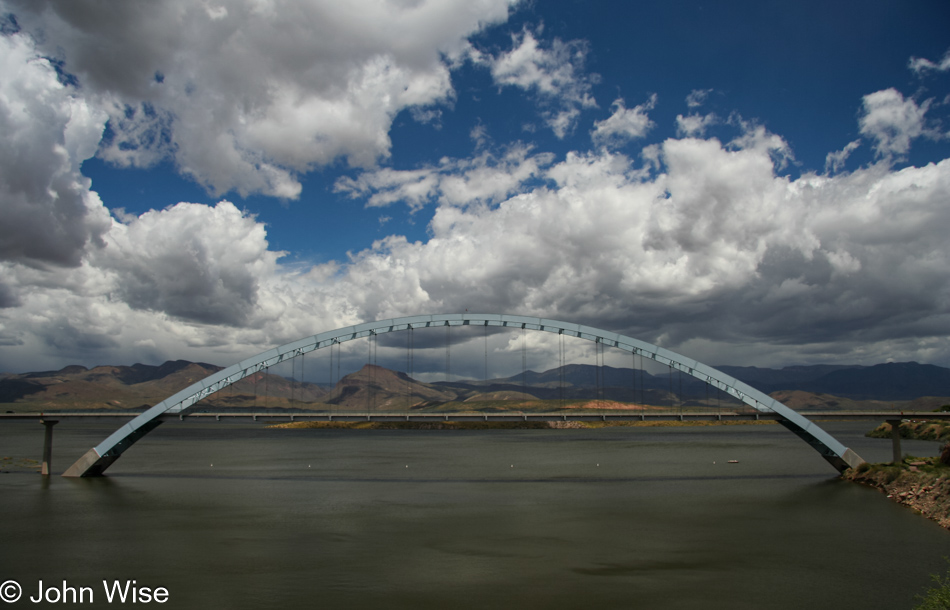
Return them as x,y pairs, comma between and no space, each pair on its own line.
234,515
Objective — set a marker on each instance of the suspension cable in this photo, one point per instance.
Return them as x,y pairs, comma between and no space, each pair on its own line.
411,341
524,361
486,355
671,387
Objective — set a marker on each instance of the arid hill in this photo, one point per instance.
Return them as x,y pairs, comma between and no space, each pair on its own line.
376,388
139,386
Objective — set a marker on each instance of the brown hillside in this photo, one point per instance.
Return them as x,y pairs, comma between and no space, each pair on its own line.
383,389
140,386
800,400
501,395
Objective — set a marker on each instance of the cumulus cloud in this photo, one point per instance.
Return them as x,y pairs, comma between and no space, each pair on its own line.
190,261
712,250
718,246
555,75
693,125
624,124
49,214
891,121
708,245
245,95
486,178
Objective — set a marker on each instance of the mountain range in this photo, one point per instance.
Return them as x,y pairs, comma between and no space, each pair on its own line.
139,386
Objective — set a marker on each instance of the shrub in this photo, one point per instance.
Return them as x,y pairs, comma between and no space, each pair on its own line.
937,597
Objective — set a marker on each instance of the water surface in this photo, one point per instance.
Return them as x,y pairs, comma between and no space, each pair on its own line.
233,515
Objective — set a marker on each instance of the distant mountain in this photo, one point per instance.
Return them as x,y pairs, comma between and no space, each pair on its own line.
891,381
140,385
788,378
375,387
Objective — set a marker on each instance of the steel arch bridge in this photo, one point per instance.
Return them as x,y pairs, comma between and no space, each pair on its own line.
100,457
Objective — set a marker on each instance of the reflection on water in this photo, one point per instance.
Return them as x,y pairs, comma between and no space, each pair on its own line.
233,515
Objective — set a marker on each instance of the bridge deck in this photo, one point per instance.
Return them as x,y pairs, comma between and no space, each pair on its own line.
498,417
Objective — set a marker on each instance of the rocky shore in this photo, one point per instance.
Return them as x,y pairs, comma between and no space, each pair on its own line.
922,484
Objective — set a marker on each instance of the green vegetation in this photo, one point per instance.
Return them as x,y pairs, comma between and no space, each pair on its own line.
917,430
938,596
927,468
413,425
506,425
10,464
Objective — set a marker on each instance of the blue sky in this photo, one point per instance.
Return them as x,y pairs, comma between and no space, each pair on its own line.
759,183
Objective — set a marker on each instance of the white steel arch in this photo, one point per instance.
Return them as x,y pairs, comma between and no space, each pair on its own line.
100,457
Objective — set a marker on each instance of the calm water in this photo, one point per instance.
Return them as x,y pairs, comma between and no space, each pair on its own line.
236,516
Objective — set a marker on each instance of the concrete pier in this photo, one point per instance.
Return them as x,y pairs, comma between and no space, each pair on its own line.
48,445
896,439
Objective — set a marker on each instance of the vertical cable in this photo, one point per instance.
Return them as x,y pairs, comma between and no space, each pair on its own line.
681,390
599,355
560,369
633,372
524,361
642,389
486,355
375,366
448,357
367,378
671,387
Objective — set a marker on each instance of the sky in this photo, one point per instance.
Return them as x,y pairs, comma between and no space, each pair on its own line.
750,183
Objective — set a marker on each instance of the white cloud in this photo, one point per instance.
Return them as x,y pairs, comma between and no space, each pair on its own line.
555,75
49,214
716,248
624,124
708,243
697,97
921,66
694,125
251,94
892,121
834,161
190,261
482,179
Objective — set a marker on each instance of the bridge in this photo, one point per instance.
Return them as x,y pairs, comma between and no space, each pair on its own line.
95,461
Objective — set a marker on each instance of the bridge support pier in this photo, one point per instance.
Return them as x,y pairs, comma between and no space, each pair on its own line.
896,438
47,445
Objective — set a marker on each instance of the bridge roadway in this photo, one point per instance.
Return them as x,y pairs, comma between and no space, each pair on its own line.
50,419
498,417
